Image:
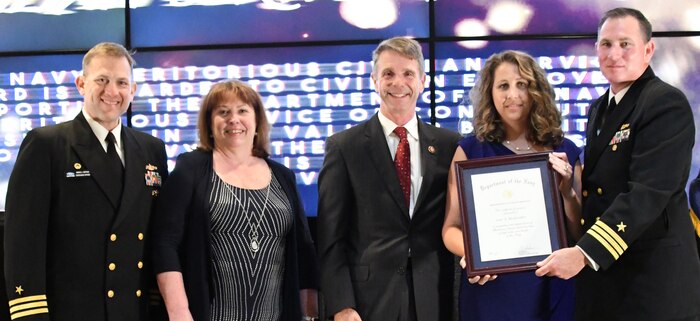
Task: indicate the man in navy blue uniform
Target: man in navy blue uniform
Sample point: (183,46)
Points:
(638,258)
(78,205)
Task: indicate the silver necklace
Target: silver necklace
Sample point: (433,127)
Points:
(254,244)
(518,148)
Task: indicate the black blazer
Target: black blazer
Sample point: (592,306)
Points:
(364,229)
(694,196)
(62,232)
(635,209)
(182,230)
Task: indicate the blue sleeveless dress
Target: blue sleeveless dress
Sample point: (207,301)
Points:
(518,296)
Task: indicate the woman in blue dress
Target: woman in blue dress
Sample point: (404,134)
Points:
(515,113)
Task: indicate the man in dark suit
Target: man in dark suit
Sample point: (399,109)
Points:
(639,245)
(78,206)
(382,203)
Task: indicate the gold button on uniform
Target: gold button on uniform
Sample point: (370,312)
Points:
(138,293)
(110,294)
(583,222)
(140,265)
(614,148)
(600,191)
(140,236)
(112,266)
(585,193)
(113,237)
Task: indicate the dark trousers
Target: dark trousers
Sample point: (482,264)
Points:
(411,308)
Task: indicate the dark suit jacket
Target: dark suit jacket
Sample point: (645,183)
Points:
(364,229)
(182,229)
(62,232)
(694,196)
(635,209)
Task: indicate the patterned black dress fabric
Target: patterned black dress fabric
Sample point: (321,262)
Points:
(248,232)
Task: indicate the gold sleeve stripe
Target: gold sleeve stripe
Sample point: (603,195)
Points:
(613,234)
(28,313)
(607,237)
(696,221)
(604,242)
(28,306)
(27,299)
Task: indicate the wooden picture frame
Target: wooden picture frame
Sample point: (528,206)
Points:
(511,210)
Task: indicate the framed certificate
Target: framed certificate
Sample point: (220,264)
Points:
(511,212)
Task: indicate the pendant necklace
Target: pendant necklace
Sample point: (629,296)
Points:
(254,245)
(518,148)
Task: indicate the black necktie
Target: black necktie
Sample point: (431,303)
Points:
(604,112)
(116,170)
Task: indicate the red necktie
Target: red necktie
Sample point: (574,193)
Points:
(402,163)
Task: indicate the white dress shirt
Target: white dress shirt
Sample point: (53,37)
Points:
(101,134)
(414,145)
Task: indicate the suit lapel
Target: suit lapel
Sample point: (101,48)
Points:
(611,126)
(614,120)
(378,151)
(591,131)
(428,161)
(92,154)
(134,171)
(596,144)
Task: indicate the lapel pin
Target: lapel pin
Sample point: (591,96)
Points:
(150,167)
(431,149)
(77,166)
